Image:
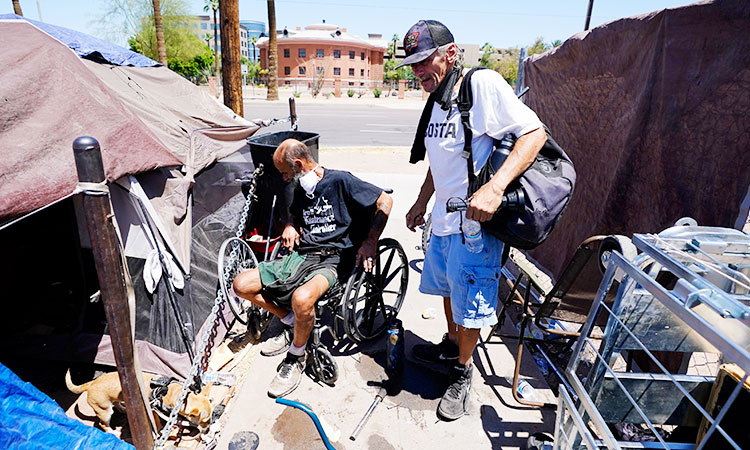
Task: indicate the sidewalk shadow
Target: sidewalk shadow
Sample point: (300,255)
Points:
(417,265)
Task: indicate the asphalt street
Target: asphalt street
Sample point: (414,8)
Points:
(340,125)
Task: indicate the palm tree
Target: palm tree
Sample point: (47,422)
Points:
(273,88)
(17,7)
(253,40)
(214,5)
(392,48)
(160,45)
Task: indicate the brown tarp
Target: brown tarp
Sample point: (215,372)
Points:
(653,110)
(143,117)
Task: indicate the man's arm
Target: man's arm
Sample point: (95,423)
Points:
(369,246)
(415,216)
(488,198)
(290,235)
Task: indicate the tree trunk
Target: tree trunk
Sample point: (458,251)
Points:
(273,88)
(17,7)
(231,69)
(160,45)
(216,46)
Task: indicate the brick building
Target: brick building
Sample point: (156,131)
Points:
(325,53)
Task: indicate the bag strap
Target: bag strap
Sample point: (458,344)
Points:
(464,102)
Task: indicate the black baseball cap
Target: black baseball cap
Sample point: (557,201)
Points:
(422,39)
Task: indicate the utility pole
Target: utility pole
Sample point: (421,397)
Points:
(588,15)
(231,69)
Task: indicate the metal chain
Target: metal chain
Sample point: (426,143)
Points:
(200,364)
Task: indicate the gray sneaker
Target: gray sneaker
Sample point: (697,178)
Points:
(454,403)
(288,375)
(279,343)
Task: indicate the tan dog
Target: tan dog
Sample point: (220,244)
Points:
(105,393)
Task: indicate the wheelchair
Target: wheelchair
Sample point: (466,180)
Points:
(361,306)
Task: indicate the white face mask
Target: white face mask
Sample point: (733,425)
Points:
(308,182)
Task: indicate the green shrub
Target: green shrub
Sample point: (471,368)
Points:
(350,92)
(296,94)
(376,92)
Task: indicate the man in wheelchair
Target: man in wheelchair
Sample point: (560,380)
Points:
(323,207)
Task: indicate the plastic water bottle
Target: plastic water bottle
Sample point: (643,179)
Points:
(525,390)
(394,364)
(473,235)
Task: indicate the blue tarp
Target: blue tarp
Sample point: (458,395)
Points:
(85,45)
(29,420)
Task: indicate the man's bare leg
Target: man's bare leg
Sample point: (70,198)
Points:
(452,328)
(248,286)
(467,341)
(303,305)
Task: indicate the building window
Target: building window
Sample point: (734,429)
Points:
(351,83)
(204,26)
(319,53)
(351,72)
(287,82)
(361,72)
(286,53)
(302,70)
(351,54)
(337,70)
(301,52)
(337,54)
(287,70)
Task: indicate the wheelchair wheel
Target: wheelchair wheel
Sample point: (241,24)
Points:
(371,300)
(235,256)
(324,366)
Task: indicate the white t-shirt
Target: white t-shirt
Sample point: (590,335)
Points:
(496,111)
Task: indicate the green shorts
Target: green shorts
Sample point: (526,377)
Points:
(281,277)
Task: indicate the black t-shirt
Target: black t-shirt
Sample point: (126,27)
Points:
(325,219)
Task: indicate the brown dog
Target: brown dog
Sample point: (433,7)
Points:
(104,394)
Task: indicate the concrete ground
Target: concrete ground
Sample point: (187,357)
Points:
(408,419)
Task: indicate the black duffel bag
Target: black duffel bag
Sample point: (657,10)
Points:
(533,202)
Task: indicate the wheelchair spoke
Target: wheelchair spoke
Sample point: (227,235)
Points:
(387,267)
(368,306)
(393,275)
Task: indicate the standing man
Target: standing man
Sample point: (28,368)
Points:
(468,282)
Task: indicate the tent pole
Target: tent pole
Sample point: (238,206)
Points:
(98,213)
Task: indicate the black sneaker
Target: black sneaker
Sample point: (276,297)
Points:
(455,401)
(444,352)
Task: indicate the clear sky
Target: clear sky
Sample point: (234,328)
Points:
(502,23)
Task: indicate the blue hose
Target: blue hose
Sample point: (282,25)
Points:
(312,415)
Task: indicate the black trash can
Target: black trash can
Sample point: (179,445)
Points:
(272,183)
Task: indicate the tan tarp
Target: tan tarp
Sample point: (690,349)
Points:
(653,110)
(143,117)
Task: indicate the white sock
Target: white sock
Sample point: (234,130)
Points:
(297,351)
(288,320)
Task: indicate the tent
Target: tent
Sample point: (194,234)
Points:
(652,109)
(171,155)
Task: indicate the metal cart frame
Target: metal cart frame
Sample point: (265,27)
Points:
(705,308)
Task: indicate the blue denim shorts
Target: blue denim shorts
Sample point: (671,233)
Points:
(469,279)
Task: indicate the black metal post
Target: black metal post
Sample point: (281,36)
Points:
(98,213)
(588,15)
